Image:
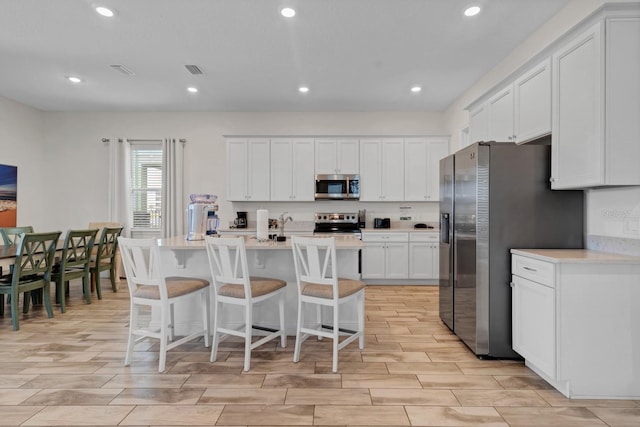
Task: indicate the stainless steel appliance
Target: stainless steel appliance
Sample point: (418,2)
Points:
(241,220)
(201,220)
(331,223)
(495,197)
(337,187)
(381,223)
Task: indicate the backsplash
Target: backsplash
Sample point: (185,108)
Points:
(618,245)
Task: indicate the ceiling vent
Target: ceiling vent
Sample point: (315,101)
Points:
(194,69)
(121,68)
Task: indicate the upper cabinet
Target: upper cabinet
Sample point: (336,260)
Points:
(248,169)
(292,163)
(382,169)
(422,167)
(596,106)
(532,103)
(519,112)
(337,156)
(500,115)
(478,124)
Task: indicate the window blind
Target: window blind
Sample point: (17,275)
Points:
(146,188)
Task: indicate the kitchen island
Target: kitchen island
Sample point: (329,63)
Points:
(267,259)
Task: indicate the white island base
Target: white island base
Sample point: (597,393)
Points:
(267,259)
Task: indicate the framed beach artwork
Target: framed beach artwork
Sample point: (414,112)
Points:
(8,195)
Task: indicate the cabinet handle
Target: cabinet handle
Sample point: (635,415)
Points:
(510,138)
(530,269)
(552,179)
(512,284)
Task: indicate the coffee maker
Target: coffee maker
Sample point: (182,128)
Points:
(201,216)
(241,220)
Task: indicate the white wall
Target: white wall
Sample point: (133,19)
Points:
(21,130)
(79,159)
(604,206)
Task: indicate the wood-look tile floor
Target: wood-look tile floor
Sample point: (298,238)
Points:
(69,371)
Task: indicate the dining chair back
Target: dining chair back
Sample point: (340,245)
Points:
(74,264)
(11,235)
(32,271)
(149,287)
(318,283)
(233,285)
(104,258)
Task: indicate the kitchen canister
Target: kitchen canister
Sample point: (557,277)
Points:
(262,224)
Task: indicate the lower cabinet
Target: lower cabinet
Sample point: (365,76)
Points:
(575,320)
(385,255)
(423,256)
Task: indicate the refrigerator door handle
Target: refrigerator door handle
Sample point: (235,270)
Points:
(444,228)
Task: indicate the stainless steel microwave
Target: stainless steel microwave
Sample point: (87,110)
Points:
(337,187)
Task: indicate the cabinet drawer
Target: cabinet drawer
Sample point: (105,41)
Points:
(385,237)
(539,271)
(424,237)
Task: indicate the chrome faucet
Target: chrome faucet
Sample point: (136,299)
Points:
(282,220)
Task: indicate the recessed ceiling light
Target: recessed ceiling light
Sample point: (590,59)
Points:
(287,12)
(472,11)
(192,89)
(74,79)
(104,11)
(303,89)
(416,89)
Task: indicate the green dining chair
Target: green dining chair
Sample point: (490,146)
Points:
(105,258)
(74,264)
(11,235)
(31,271)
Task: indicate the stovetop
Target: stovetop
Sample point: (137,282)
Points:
(336,223)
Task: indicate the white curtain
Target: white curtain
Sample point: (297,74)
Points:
(172,187)
(119,179)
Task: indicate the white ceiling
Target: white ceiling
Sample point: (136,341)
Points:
(355,55)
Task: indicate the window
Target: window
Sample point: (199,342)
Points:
(146,189)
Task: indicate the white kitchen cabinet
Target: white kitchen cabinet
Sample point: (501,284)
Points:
(382,169)
(521,111)
(423,255)
(500,116)
(574,320)
(385,255)
(478,123)
(422,168)
(532,103)
(292,166)
(596,105)
(248,168)
(337,156)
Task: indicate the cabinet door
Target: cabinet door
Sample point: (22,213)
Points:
(534,325)
(532,97)
(303,184)
(370,173)
(422,260)
(392,165)
(236,169)
(397,260)
(326,156)
(348,156)
(437,150)
(577,158)
(258,167)
(373,261)
(281,170)
(500,116)
(478,124)
(417,169)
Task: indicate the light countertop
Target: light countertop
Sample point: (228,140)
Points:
(251,243)
(576,256)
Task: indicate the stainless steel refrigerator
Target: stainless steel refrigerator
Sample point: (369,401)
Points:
(495,197)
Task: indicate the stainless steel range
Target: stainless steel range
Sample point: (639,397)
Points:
(332,223)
